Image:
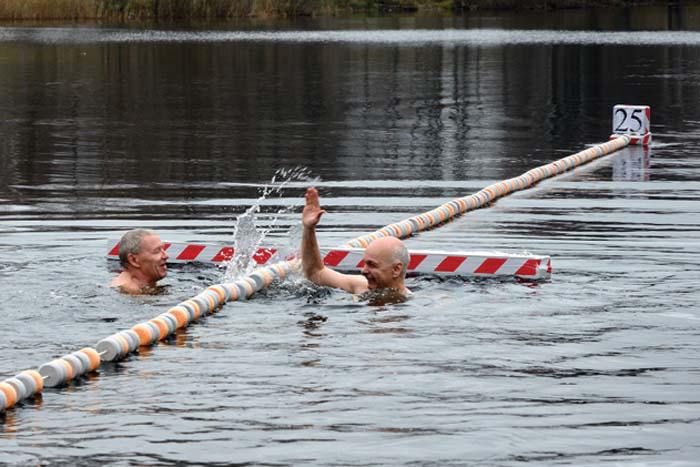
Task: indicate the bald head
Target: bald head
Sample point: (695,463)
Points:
(392,250)
(397,251)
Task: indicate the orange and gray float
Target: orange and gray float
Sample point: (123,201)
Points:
(20,387)
(68,367)
(487,195)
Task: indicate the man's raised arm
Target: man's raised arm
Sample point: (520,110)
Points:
(312,264)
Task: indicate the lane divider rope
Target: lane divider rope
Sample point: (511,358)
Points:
(487,195)
(119,345)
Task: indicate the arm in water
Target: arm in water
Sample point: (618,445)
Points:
(312,264)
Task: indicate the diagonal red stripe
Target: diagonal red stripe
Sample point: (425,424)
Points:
(190,252)
(225,254)
(263,254)
(334,257)
(450,264)
(114,251)
(529,268)
(490,266)
(415,261)
(166,246)
(361,264)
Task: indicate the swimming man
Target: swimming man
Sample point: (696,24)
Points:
(385,260)
(143,257)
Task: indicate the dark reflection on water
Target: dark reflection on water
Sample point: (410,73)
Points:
(597,365)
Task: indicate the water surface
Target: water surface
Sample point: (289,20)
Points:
(106,128)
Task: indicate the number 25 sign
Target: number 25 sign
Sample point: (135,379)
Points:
(633,121)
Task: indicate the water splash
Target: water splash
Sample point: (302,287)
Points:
(248,235)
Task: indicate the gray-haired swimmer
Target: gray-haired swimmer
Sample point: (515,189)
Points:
(143,257)
(385,260)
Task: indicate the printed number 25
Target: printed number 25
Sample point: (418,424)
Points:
(626,120)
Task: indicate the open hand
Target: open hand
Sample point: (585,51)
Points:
(312,211)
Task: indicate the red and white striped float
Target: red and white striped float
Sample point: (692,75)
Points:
(482,264)
(199,252)
(442,263)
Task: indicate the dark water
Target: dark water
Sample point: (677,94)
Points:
(103,129)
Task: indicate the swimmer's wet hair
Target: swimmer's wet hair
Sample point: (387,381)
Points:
(131,243)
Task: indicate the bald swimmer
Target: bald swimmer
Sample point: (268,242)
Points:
(385,260)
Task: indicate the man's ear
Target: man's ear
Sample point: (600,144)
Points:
(133,260)
(396,269)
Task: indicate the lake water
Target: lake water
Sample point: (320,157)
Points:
(175,128)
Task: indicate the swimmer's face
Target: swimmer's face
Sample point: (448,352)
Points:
(151,259)
(380,270)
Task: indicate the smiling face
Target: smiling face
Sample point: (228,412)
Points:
(382,269)
(150,262)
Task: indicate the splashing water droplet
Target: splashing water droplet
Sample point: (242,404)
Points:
(248,237)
